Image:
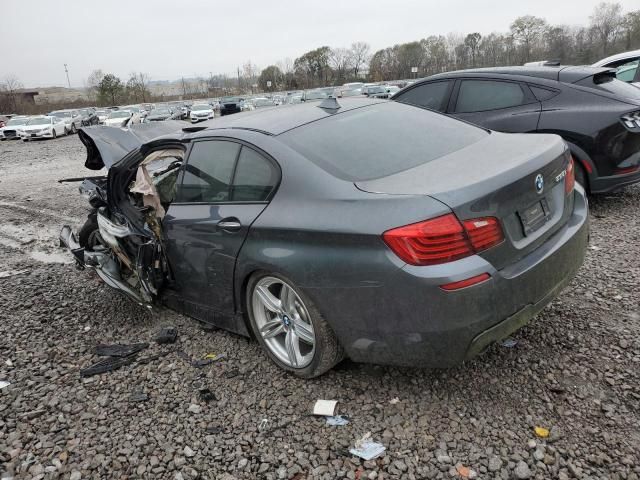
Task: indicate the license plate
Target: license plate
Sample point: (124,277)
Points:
(534,216)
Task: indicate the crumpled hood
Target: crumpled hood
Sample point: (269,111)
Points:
(107,145)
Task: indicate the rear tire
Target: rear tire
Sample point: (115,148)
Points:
(89,235)
(54,133)
(326,351)
(73,128)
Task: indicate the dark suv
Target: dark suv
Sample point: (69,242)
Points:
(597,115)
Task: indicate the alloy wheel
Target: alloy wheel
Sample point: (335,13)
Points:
(283,321)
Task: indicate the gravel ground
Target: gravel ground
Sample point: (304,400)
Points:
(575,370)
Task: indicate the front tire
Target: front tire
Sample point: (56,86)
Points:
(53,133)
(289,327)
(73,128)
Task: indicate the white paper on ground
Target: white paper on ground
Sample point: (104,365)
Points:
(368,450)
(326,408)
(4,384)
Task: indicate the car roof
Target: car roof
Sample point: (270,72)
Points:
(620,56)
(277,120)
(567,74)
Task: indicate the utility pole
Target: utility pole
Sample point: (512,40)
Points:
(66,70)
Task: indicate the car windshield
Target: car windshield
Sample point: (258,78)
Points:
(161,111)
(349,145)
(200,107)
(60,114)
(230,99)
(315,94)
(101,112)
(39,121)
(377,90)
(120,114)
(16,121)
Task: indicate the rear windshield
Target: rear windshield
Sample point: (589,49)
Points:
(380,140)
(610,84)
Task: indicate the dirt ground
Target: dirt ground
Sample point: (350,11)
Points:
(575,370)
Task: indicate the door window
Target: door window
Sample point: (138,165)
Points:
(255,177)
(433,95)
(481,95)
(208,172)
(627,72)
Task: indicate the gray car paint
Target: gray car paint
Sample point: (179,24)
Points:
(324,234)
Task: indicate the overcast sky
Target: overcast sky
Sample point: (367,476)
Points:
(170,38)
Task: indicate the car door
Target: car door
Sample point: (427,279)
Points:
(505,106)
(222,189)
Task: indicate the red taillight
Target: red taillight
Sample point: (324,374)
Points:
(570,177)
(443,239)
(624,171)
(483,232)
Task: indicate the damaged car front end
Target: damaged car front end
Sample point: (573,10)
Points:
(122,237)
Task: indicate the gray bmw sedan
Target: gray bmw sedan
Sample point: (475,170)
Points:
(375,230)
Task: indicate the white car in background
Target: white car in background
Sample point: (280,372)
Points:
(102,115)
(201,112)
(10,130)
(118,118)
(72,119)
(627,65)
(43,126)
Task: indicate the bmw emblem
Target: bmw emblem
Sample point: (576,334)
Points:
(539,183)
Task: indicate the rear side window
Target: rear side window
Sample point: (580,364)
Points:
(255,177)
(432,95)
(379,140)
(627,71)
(482,95)
(208,172)
(543,94)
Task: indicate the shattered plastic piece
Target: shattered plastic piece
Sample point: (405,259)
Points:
(167,335)
(541,432)
(264,423)
(509,342)
(368,450)
(138,397)
(338,420)
(4,384)
(119,350)
(107,365)
(8,362)
(395,400)
(231,373)
(465,472)
(215,356)
(326,408)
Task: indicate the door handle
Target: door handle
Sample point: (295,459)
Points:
(230,225)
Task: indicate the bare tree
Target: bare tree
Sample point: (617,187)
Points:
(340,61)
(528,30)
(93,83)
(607,22)
(11,85)
(360,53)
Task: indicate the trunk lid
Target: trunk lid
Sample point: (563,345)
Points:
(498,176)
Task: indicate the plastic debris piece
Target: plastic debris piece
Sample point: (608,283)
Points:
(201,363)
(466,472)
(264,423)
(206,394)
(138,397)
(4,384)
(367,449)
(541,432)
(365,438)
(395,400)
(108,364)
(214,429)
(119,350)
(8,362)
(232,373)
(509,342)
(215,356)
(167,335)
(326,408)
(338,420)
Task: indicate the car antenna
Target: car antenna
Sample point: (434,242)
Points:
(330,103)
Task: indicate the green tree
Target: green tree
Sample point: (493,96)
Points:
(472,42)
(110,90)
(271,74)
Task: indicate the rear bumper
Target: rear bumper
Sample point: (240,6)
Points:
(614,182)
(410,321)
